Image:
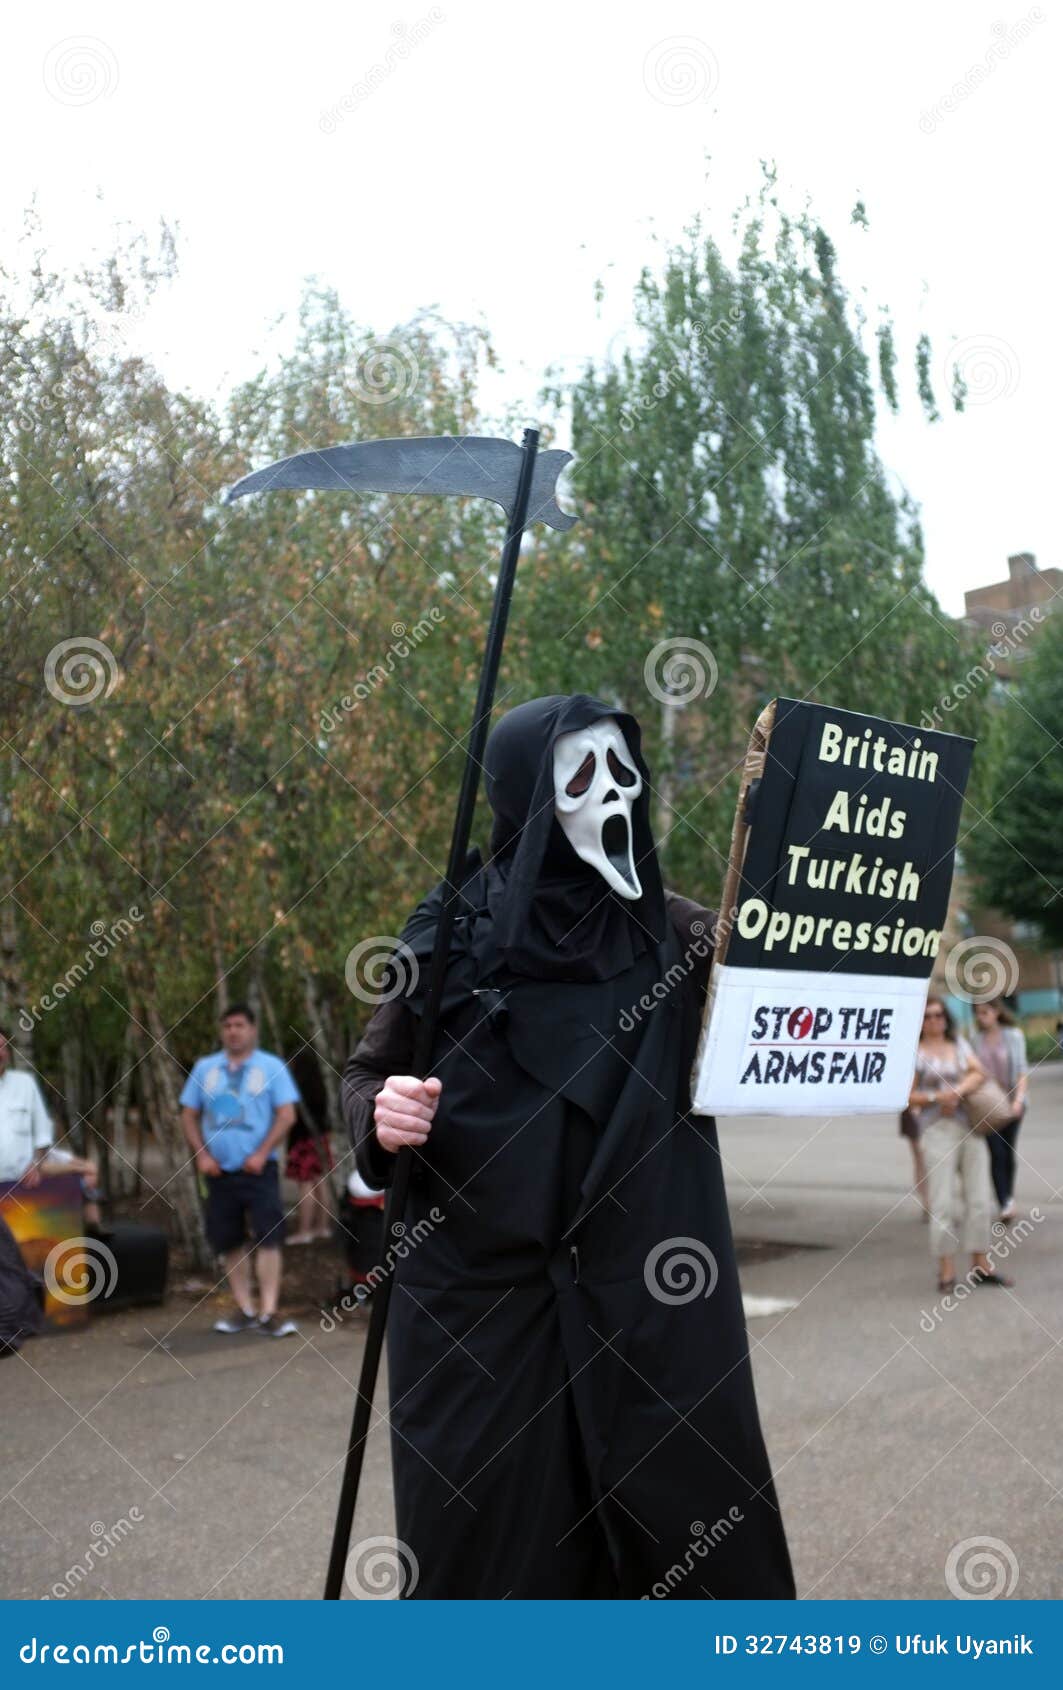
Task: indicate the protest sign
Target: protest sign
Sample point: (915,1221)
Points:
(833,910)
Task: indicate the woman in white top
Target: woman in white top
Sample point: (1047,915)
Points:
(1000,1047)
(958,1193)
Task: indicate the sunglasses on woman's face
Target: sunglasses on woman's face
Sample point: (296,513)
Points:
(934,1015)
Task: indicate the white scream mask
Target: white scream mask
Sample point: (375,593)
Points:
(595,787)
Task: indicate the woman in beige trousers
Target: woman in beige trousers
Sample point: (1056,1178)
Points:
(958,1193)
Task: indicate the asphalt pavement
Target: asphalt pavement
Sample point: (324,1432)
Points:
(148,1457)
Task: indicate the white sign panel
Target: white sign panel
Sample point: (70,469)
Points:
(799,1042)
(834,911)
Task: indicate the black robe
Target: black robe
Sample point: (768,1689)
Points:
(572,1405)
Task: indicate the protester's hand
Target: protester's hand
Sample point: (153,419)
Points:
(206,1164)
(255,1163)
(950,1100)
(404,1111)
(31,1177)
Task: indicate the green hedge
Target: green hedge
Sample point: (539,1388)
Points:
(1042,1047)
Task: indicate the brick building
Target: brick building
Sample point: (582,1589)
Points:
(1010,601)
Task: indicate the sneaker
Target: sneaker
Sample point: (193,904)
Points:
(272,1326)
(238,1322)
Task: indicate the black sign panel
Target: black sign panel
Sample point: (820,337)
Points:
(850,852)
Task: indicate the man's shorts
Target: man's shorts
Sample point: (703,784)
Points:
(240,1201)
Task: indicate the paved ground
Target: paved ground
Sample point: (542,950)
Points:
(898,1430)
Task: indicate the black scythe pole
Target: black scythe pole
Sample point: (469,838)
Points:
(483,467)
(459,846)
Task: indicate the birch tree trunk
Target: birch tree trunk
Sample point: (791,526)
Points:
(277,1039)
(182,1190)
(12,986)
(77,1133)
(319,1040)
(121,1173)
(666,779)
(221,979)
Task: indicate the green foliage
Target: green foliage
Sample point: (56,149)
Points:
(732,498)
(193,781)
(266,772)
(1042,1047)
(887,365)
(1016,847)
(924,383)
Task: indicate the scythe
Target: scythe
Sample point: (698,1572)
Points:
(522,480)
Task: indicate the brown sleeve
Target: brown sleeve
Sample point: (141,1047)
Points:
(684,912)
(696,928)
(386,1048)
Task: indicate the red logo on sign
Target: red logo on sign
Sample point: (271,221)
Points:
(799,1023)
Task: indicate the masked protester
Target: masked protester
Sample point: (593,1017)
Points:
(572,1405)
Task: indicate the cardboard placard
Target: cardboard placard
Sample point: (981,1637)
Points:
(835,899)
(47,1225)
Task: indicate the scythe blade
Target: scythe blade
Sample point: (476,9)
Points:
(478,465)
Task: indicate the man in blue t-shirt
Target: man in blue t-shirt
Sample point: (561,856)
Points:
(236,1107)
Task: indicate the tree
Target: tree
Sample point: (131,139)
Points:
(231,738)
(1015,849)
(740,536)
(182,767)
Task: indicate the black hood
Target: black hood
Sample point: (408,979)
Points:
(554,915)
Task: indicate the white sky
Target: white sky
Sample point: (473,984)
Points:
(520,152)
